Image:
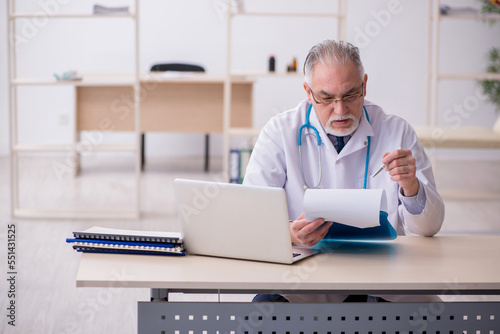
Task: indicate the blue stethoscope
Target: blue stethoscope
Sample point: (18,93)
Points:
(308,125)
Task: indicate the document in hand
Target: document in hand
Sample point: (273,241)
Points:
(356,213)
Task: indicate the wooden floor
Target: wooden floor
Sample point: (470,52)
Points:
(47,300)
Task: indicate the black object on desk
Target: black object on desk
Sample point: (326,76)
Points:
(177,67)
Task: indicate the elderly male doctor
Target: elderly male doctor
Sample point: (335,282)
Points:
(348,125)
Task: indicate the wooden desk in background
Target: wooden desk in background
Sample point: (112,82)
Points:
(189,103)
(185,103)
(408,265)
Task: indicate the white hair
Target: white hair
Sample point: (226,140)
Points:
(332,52)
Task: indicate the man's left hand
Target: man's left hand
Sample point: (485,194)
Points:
(402,169)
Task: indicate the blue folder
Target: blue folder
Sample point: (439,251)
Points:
(341,232)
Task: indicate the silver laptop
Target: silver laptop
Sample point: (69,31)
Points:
(236,221)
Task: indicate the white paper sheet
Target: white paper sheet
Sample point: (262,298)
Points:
(354,207)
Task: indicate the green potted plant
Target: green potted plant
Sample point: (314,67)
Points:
(490,7)
(491,88)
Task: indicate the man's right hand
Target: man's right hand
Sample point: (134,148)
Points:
(308,233)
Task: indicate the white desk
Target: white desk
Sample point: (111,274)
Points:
(462,138)
(457,137)
(407,265)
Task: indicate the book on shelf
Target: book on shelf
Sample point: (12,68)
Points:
(234,166)
(238,161)
(107,240)
(243,163)
(458,10)
(106,10)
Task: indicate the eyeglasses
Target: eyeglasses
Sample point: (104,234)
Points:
(326,101)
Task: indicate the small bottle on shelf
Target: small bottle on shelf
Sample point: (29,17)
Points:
(293,66)
(272,64)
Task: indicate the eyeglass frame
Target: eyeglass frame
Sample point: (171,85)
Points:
(341,99)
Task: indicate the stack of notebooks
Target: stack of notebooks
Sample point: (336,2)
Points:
(107,240)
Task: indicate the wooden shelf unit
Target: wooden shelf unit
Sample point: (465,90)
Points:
(434,136)
(76,147)
(229,132)
(434,75)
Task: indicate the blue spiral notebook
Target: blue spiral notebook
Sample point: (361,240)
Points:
(119,241)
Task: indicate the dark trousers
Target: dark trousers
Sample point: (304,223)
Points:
(275,298)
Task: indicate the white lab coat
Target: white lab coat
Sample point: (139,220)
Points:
(275,162)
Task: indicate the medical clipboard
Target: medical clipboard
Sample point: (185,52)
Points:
(341,232)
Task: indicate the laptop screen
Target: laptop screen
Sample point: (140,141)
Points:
(234,220)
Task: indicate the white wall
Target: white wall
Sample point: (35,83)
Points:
(392,36)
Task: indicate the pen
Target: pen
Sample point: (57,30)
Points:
(383,166)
